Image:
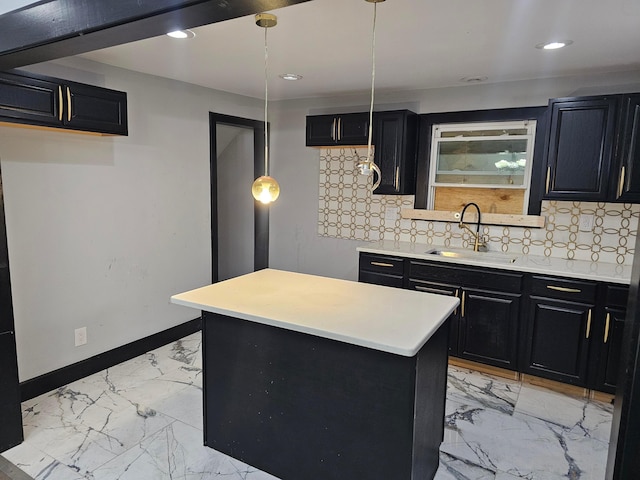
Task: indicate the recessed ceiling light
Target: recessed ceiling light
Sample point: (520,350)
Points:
(554,45)
(181,34)
(290,76)
(477,79)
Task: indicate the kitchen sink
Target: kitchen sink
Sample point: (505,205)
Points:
(471,255)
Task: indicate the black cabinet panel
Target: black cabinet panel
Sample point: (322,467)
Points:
(10,414)
(580,148)
(6,308)
(564,288)
(381,279)
(329,130)
(558,340)
(96,109)
(454,319)
(32,99)
(627,187)
(489,327)
(468,276)
(29,99)
(395,139)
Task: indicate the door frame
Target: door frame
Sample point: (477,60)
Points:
(261,212)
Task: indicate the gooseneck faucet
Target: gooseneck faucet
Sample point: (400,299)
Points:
(478,244)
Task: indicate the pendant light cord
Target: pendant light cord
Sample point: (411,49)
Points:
(373,80)
(266,105)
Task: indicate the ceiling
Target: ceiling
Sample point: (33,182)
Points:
(419,44)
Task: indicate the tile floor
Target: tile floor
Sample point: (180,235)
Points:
(142,420)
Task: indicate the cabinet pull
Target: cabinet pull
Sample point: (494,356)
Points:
(621,182)
(397,178)
(455,312)
(588,324)
(382,264)
(432,290)
(339,129)
(462,304)
(606,328)
(333,130)
(547,181)
(60,103)
(564,289)
(68,104)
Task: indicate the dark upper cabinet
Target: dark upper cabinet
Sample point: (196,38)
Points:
(579,148)
(395,139)
(328,130)
(627,180)
(32,99)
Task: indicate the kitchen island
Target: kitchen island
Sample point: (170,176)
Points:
(308,377)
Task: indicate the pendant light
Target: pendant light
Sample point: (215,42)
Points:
(368,166)
(265,189)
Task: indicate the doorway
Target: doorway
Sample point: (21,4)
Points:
(239,224)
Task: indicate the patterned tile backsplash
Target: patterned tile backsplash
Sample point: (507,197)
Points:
(347,209)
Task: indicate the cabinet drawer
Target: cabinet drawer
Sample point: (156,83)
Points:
(381,264)
(616,296)
(467,276)
(572,290)
(431,287)
(381,279)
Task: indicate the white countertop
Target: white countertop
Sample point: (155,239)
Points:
(392,320)
(580,269)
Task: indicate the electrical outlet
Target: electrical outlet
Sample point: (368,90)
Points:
(81,336)
(586,223)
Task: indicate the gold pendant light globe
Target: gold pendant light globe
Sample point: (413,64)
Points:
(265,189)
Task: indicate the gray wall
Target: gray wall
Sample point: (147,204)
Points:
(103,230)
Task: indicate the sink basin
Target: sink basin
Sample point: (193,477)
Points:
(471,255)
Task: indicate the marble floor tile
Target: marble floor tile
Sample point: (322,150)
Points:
(142,420)
(488,391)
(591,417)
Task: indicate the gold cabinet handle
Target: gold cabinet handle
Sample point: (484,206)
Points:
(588,324)
(68,104)
(621,182)
(462,305)
(339,130)
(333,130)
(455,312)
(432,290)
(564,289)
(382,264)
(397,178)
(60,103)
(547,181)
(606,328)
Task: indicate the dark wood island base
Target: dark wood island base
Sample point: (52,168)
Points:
(303,407)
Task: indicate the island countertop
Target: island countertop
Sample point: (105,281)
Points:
(387,319)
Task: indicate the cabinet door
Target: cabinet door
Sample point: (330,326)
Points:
(557,342)
(10,413)
(321,130)
(489,327)
(610,350)
(454,319)
(395,153)
(627,186)
(29,100)
(95,109)
(580,148)
(353,129)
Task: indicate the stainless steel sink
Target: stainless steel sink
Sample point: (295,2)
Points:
(471,255)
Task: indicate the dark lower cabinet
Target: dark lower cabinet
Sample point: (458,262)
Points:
(10,414)
(489,327)
(31,99)
(454,319)
(557,340)
(381,270)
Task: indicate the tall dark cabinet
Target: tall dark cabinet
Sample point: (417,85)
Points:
(10,414)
